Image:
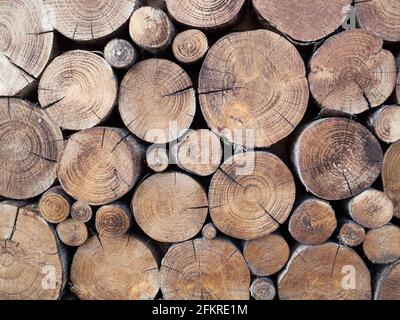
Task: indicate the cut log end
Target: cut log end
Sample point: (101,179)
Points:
(386,123)
(81,211)
(337,158)
(151,29)
(82,99)
(55,205)
(157,158)
(262,289)
(115,268)
(199,152)
(72,232)
(367,74)
(209,16)
(236,91)
(325,272)
(381,17)
(382,245)
(170,206)
(113,220)
(391,176)
(30,144)
(387,286)
(29,247)
(100,165)
(351,234)
(312,222)
(89,20)
(209,231)
(251,194)
(26,44)
(120,54)
(221,275)
(267,255)
(190,46)
(371,208)
(323,17)
(166,113)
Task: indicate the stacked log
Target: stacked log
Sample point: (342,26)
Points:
(380,17)
(89,21)
(204,269)
(116,268)
(26,45)
(55,205)
(312,222)
(151,29)
(319,272)
(120,54)
(43,265)
(368,74)
(85,97)
(336,158)
(391,175)
(171,149)
(303,21)
(170,206)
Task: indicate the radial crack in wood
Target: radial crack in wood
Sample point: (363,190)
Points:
(30,144)
(251,195)
(336,158)
(203,269)
(100,165)
(351,72)
(251,94)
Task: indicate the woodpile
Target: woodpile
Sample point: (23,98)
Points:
(200,150)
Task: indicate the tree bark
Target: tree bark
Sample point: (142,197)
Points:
(251,194)
(303,21)
(78,90)
(27,42)
(55,205)
(381,17)
(312,222)
(267,255)
(72,232)
(386,123)
(203,269)
(29,247)
(199,152)
(115,268)
(350,233)
(81,211)
(391,176)
(170,206)
(325,272)
(208,16)
(100,165)
(262,289)
(30,144)
(190,46)
(120,54)
(353,62)
(113,220)
(371,208)
(166,113)
(382,245)
(236,91)
(151,29)
(336,158)
(88,20)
